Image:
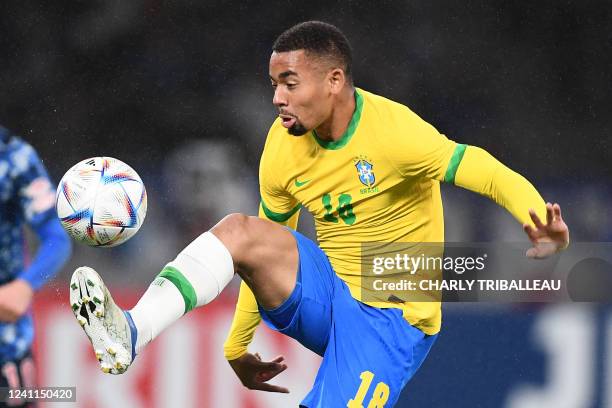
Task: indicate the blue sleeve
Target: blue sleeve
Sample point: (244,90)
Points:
(37,204)
(53,252)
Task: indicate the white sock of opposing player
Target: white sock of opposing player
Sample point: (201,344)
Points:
(197,275)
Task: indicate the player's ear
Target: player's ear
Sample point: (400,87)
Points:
(337,79)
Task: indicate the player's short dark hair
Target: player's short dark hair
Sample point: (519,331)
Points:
(319,38)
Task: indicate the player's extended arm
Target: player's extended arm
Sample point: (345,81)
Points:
(246,320)
(35,195)
(53,252)
(480,172)
(252,371)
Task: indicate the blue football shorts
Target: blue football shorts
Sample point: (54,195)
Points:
(369,354)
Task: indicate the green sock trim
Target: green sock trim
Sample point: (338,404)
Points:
(182,284)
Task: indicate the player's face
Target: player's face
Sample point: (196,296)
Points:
(301,91)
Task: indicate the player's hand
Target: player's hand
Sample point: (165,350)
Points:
(15,298)
(548,238)
(254,373)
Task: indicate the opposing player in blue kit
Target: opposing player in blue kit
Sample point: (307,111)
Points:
(27,198)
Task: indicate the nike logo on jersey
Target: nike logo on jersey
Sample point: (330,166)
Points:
(300,183)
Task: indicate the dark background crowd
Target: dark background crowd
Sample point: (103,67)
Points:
(527,81)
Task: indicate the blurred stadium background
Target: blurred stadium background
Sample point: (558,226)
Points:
(179,90)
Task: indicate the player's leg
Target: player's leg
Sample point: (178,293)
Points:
(306,315)
(263,253)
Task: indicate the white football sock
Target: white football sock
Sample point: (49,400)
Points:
(158,307)
(197,276)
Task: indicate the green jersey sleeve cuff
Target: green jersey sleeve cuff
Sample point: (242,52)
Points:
(453,165)
(276,216)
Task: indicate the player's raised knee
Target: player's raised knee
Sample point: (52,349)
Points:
(237,232)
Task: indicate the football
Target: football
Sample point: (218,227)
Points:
(101,202)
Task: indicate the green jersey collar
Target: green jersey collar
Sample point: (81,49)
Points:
(352,127)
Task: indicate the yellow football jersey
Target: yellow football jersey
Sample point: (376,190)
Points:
(378,183)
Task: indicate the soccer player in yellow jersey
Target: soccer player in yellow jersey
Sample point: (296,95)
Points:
(369,170)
